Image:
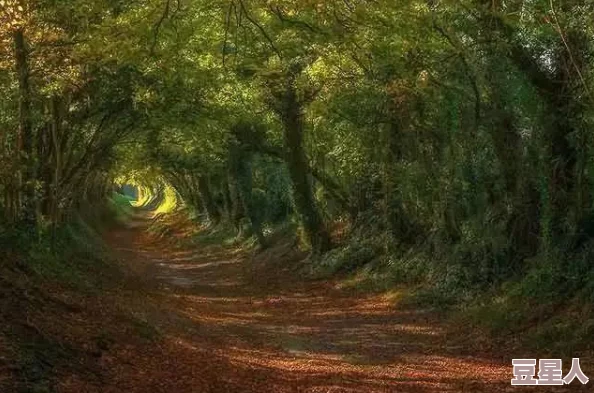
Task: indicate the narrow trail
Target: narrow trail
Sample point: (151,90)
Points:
(229,322)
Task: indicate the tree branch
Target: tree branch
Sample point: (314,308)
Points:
(264,33)
(159,24)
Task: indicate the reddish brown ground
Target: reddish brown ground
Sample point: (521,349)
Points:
(227,321)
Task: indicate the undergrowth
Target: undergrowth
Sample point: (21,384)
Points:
(545,306)
(41,270)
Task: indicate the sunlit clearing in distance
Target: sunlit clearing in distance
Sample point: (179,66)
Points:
(145,197)
(157,196)
(169,202)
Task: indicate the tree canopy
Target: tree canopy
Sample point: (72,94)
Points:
(460,124)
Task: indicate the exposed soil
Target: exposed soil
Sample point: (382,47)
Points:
(215,318)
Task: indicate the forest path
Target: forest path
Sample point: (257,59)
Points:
(228,322)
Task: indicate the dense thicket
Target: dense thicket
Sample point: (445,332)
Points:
(459,128)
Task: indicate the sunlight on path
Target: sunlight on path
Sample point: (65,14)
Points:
(236,325)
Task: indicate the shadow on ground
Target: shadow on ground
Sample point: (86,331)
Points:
(232,322)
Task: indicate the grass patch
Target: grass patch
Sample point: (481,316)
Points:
(353,256)
(120,207)
(221,234)
(76,258)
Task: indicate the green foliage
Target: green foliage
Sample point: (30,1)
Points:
(120,206)
(271,184)
(68,255)
(225,234)
(353,256)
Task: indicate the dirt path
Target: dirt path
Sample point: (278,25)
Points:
(226,322)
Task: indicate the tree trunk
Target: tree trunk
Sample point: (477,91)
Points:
(214,216)
(305,203)
(561,107)
(25,148)
(237,208)
(240,172)
(57,162)
(194,193)
(227,198)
